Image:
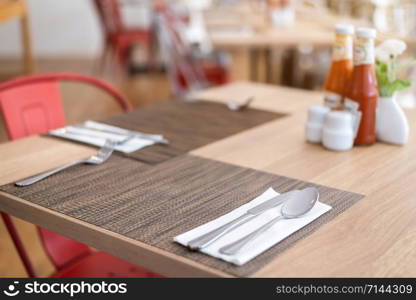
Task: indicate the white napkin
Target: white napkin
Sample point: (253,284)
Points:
(274,235)
(98,138)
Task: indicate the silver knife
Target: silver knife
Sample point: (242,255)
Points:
(126,132)
(209,237)
(123,138)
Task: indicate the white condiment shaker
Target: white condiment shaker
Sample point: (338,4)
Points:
(315,123)
(338,133)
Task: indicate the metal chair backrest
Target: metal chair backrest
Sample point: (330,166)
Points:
(110,15)
(32,105)
(185,72)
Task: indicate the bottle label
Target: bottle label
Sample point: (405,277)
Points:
(343,47)
(332,100)
(363,51)
(353,107)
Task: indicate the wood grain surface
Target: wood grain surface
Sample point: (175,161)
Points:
(188,125)
(375,237)
(153,204)
(26,157)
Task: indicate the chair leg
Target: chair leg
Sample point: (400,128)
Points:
(151,48)
(118,60)
(100,63)
(18,245)
(27,45)
(121,55)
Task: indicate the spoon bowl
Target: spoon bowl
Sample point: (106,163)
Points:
(300,203)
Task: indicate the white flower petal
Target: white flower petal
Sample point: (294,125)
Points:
(382,55)
(393,47)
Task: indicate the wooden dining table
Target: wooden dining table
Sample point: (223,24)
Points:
(376,237)
(253,48)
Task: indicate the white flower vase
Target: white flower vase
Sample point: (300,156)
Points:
(392,126)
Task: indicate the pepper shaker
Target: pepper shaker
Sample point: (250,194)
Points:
(315,123)
(338,133)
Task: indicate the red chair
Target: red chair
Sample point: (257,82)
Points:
(32,105)
(118,38)
(188,70)
(39,107)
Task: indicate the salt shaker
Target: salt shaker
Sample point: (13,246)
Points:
(314,125)
(337,133)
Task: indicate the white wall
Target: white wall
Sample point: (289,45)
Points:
(59,28)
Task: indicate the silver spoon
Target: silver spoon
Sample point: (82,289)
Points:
(235,106)
(296,206)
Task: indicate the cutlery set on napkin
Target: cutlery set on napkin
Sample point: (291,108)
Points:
(244,233)
(108,137)
(95,133)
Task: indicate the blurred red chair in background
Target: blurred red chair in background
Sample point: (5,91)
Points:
(188,68)
(32,105)
(118,38)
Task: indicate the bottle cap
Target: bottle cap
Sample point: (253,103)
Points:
(344,29)
(366,32)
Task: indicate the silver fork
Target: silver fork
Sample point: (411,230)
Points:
(100,157)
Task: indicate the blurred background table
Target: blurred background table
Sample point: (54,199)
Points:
(266,53)
(10,9)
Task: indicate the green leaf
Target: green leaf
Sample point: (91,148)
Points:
(381,67)
(381,74)
(385,91)
(389,89)
(387,83)
(399,84)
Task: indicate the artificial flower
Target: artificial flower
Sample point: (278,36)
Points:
(387,69)
(390,48)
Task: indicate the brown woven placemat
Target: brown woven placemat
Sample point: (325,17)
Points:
(187,125)
(154,204)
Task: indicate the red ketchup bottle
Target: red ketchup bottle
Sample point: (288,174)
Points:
(339,75)
(361,97)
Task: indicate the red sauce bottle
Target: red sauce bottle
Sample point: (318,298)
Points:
(362,93)
(339,75)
